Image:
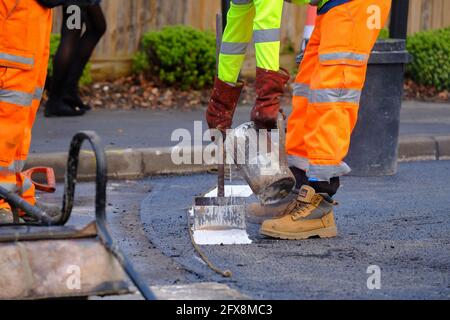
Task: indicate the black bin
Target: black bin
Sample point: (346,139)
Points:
(373,147)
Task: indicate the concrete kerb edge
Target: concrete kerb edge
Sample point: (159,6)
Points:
(123,164)
(139,163)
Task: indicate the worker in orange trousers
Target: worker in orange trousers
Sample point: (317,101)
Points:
(24,52)
(326,97)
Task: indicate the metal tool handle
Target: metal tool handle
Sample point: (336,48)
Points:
(282,140)
(221,165)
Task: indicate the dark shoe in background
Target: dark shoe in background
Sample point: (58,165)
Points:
(74,100)
(59,108)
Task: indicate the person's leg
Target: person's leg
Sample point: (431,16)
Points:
(95,28)
(335,88)
(25,185)
(270,80)
(61,64)
(235,40)
(18,75)
(296,129)
(16,94)
(64,56)
(226,91)
(346,42)
(297,126)
(266,33)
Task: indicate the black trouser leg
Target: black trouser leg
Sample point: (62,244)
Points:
(56,106)
(326,187)
(95,28)
(301,179)
(63,58)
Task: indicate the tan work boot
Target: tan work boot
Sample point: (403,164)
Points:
(307,216)
(258,213)
(6,216)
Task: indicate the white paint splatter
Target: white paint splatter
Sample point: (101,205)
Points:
(218,237)
(225,237)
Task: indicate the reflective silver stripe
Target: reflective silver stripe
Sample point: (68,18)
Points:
(334,95)
(11,187)
(38,93)
(233,47)
(343,55)
(11,168)
(27,185)
(241,1)
(326,172)
(268,35)
(15,166)
(301,90)
(16,59)
(16,97)
(298,162)
(19,165)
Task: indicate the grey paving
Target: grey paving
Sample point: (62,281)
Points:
(144,129)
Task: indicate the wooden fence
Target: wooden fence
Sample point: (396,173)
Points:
(129,19)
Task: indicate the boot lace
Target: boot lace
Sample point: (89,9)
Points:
(298,208)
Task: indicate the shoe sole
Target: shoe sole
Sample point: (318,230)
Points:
(329,232)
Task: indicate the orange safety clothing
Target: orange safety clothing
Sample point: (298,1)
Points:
(328,87)
(24,52)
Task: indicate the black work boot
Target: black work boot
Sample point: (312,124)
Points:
(72,97)
(56,107)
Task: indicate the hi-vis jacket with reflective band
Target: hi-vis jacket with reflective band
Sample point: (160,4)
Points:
(16,43)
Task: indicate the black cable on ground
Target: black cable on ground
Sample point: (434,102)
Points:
(224,273)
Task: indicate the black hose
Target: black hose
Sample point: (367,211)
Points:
(17,202)
(100,202)
(68,200)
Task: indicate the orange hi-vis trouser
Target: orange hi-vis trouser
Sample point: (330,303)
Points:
(25,28)
(328,87)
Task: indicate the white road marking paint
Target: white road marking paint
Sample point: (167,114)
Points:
(218,237)
(225,237)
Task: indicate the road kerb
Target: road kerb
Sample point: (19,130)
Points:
(142,162)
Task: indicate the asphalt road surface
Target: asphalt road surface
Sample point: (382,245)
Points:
(399,224)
